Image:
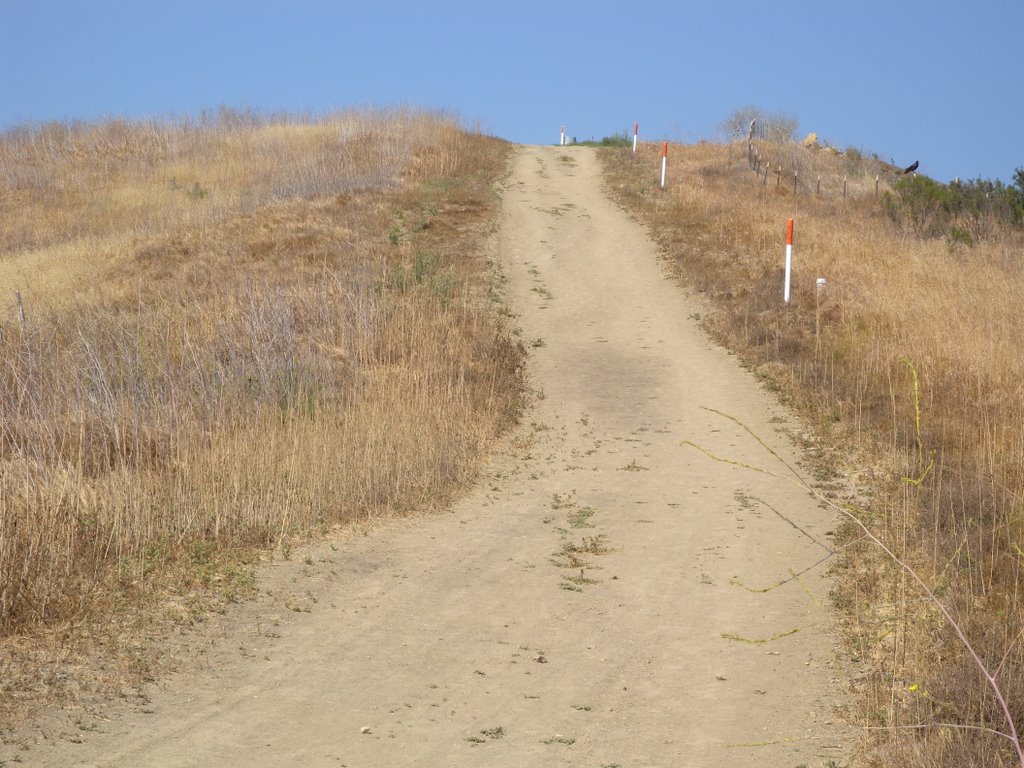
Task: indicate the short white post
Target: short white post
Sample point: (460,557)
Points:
(819,286)
(789,260)
(664,162)
(636,132)
(561,137)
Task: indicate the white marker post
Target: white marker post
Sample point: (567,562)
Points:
(664,162)
(636,131)
(789,260)
(561,139)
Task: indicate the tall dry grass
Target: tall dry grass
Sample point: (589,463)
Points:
(237,330)
(946,466)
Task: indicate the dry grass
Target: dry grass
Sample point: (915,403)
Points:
(895,307)
(237,331)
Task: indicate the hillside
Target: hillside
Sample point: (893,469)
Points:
(579,605)
(901,345)
(217,338)
(234,350)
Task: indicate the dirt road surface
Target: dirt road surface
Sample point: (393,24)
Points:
(601,599)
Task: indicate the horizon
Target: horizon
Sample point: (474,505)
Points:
(936,88)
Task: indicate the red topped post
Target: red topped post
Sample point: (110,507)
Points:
(789,260)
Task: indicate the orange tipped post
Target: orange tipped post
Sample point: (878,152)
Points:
(636,132)
(664,162)
(789,260)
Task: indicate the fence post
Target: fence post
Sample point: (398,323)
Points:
(636,132)
(789,260)
(844,187)
(794,181)
(561,137)
(767,166)
(664,162)
(876,185)
(819,286)
(818,188)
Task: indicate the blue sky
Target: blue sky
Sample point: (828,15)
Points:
(929,81)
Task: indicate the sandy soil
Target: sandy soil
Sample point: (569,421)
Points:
(591,603)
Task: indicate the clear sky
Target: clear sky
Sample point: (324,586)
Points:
(927,80)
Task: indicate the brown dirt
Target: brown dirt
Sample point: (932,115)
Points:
(584,606)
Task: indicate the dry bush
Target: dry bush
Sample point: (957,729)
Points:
(946,470)
(238,330)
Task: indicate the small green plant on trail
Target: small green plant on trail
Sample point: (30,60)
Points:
(559,739)
(581,579)
(634,467)
(563,501)
(580,518)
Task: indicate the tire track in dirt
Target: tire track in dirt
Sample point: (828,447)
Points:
(603,598)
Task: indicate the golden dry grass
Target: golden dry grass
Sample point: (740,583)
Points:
(237,331)
(895,305)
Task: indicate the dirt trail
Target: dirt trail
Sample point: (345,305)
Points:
(585,606)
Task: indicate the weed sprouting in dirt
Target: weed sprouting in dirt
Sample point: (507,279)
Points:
(563,500)
(633,466)
(559,739)
(580,518)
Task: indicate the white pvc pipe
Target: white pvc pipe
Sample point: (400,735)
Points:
(636,130)
(664,162)
(789,268)
(789,260)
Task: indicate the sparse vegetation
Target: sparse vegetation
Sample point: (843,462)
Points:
(938,443)
(238,330)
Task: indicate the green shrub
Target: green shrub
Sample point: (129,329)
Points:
(622,139)
(958,238)
(966,212)
(921,205)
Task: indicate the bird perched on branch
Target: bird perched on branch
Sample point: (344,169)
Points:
(911,168)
